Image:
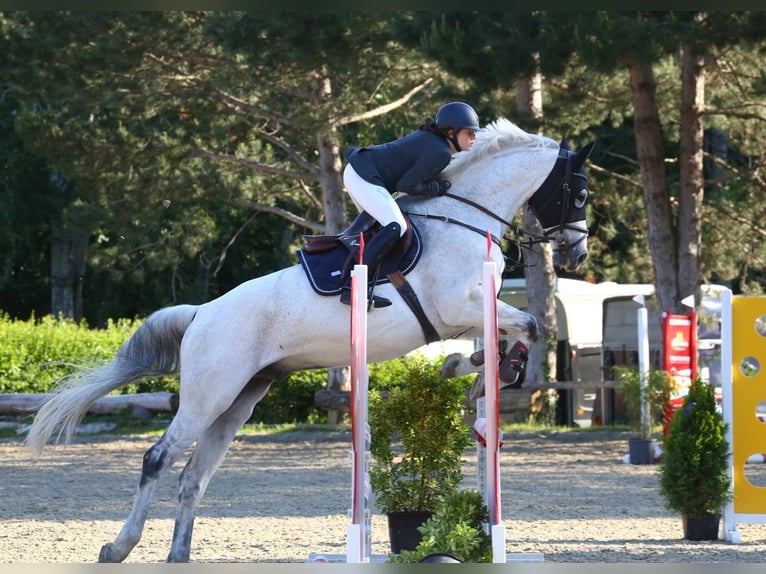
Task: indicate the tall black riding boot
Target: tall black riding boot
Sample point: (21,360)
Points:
(379,246)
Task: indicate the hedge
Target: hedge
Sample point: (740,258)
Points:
(35,353)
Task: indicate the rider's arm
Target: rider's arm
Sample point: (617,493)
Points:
(420,178)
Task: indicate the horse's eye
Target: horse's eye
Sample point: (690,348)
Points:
(581,198)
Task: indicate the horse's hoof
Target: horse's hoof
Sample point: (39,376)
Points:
(176,558)
(449,366)
(107,554)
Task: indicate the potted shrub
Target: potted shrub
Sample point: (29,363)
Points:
(418,439)
(456,529)
(658,389)
(694,477)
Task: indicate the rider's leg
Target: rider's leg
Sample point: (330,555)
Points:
(378,247)
(378,202)
(374,199)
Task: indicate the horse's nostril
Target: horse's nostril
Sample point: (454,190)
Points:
(581,258)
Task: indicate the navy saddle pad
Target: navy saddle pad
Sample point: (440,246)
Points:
(328,271)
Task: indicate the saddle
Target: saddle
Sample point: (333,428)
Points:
(365,225)
(328,260)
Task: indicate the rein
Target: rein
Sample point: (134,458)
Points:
(534,238)
(495,239)
(553,234)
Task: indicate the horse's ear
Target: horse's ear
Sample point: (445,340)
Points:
(565,145)
(582,155)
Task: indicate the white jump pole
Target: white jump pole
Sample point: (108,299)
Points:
(358,547)
(642,318)
(492,401)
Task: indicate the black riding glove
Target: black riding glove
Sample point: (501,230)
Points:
(432,188)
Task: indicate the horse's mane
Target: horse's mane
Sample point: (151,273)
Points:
(500,135)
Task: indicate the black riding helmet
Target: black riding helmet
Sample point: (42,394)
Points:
(457,115)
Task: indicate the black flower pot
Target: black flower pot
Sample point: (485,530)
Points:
(641,450)
(403,530)
(703,527)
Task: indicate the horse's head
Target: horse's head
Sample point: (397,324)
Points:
(559,205)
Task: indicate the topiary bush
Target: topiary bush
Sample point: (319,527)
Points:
(694,478)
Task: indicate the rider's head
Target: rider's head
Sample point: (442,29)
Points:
(459,122)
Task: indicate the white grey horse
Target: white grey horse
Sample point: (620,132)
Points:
(230,350)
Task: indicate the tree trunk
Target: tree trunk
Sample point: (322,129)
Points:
(68,250)
(649,150)
(334,212)
(539,272)
(330,165)
(692,181)
(540,279)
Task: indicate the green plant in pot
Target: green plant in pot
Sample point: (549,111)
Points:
(456,528)
(418,439)
(655,395)
(694,477)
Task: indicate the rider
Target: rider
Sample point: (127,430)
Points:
(409,165)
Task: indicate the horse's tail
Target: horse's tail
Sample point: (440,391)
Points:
(152,351)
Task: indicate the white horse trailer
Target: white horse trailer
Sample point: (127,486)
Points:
(592,318)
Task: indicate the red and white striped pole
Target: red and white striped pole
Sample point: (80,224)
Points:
(492,401)
(359,530)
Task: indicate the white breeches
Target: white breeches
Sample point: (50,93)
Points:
(373,199)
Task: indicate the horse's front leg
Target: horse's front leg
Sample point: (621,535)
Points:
(513,325)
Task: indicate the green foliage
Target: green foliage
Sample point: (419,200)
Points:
(93,96)
(694,477)
(659,387)
(292,400)
(457,527)
(418,438)
(34,354)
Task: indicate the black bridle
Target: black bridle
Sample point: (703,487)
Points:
(556,217)
(542,203)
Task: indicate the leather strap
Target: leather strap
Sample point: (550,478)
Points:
(410,297)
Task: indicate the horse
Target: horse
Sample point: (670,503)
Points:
(231,349)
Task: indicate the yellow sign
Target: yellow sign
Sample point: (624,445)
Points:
(748,390)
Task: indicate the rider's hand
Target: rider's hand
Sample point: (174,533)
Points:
(436,187)
(432,188)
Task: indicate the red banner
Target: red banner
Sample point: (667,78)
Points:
(679,356)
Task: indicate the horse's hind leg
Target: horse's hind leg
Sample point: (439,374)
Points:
(208,454)
(156,464)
